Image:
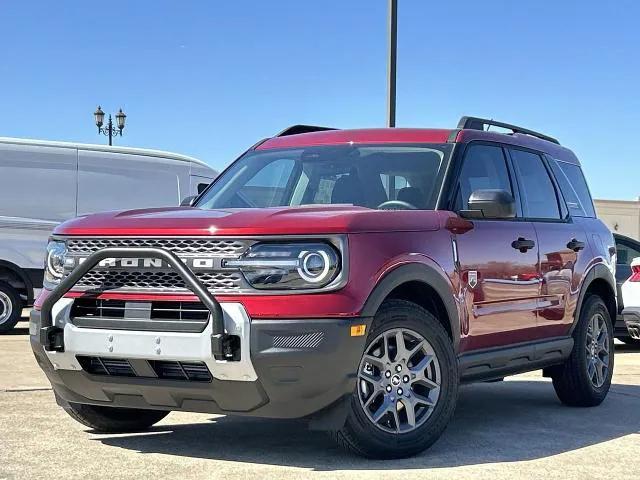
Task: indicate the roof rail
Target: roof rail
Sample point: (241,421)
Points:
(296,129)
(475,123)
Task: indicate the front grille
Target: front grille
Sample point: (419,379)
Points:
(162,316)
(186,246)
(154,278)
(192,371)
(117,367)
(157,281)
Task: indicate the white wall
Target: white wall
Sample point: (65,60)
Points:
(621,216)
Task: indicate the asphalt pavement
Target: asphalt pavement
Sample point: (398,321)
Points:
(511,429)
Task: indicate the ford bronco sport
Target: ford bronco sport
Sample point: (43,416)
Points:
(351,277)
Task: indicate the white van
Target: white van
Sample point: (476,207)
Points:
(43,183)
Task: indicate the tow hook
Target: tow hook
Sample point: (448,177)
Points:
(225,347)
(52,339)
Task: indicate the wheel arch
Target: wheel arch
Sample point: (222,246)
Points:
(423,285)
(598,281)
(10,272)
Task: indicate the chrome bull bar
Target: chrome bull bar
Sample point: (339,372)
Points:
(51,336)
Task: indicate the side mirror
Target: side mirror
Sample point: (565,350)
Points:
(188,201)
(490,203)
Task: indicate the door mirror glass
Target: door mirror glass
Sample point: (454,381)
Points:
(490,203)
(188,201)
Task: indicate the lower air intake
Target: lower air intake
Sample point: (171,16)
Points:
(164,369)
(117,367)
(192,371)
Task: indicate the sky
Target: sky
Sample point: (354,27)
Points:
(210,78)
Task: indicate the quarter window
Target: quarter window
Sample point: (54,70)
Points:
(484,167)
(574,188)
(536,189)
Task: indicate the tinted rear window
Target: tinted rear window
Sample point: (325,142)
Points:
(574,188)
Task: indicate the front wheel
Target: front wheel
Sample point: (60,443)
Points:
(585,378)
(407,385)
(10,307)
(112,419)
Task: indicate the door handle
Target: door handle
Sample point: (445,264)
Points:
(575,245)
(523,244)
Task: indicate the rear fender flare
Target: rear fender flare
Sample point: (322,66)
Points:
(598,271)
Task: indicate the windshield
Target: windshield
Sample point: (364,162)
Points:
(368,176)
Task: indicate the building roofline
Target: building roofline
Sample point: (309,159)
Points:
(609,200)
(103,148)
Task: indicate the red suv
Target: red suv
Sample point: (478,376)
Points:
(351,277)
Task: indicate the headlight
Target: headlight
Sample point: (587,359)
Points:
(54,263)
(288,266)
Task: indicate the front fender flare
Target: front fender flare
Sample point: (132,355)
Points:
(415,272)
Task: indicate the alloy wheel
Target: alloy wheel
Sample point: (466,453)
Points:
(6,307)
(399,380)
(597,350)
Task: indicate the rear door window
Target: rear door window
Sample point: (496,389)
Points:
(539,199)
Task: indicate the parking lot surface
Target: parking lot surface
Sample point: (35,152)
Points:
(511,429)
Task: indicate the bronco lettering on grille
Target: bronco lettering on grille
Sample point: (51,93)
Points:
(147,263)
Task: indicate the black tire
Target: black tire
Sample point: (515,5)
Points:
(359,434)
(112,419)
(9,299)
(630,341)
(571,381)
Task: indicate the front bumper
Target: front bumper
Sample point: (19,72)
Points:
(631,317)
(287,368)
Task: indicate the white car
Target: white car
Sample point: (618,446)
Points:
(631,296)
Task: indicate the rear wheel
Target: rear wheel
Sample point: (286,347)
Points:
(112,419)
(407,385)
(10,307)
(585,378)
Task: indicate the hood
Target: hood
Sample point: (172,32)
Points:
(304,220)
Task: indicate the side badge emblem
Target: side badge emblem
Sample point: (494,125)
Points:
(472,278)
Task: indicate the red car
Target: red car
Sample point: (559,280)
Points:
(351,277)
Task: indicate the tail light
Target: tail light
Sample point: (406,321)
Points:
(635,273)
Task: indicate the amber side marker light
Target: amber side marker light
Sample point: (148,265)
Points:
(358,330)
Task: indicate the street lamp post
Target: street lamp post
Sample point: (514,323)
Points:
(110,130)
(391,71)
